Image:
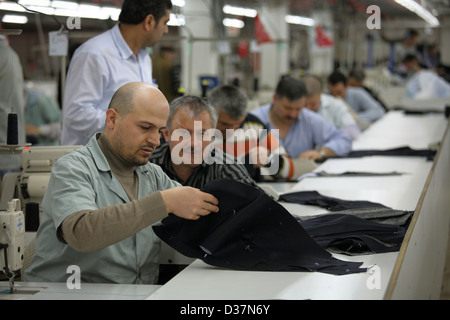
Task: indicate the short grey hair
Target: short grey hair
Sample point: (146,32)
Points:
(229,99)
(313,85)
(196,104)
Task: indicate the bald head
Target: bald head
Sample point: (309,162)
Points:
(126,97)
(136,115)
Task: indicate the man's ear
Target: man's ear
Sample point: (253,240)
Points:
(149,22)
(165,134)
(274,98)
(111,118)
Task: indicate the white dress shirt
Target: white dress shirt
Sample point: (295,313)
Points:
(98,68)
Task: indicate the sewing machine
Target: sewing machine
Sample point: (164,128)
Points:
(30,184)
(20,200)
(12,238)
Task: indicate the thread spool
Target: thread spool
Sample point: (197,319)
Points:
(204,88)
(12,137)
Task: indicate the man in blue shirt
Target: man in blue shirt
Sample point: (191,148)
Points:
(365,106)
(106,62)
(302,132)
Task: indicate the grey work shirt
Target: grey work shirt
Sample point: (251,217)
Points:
(82,180)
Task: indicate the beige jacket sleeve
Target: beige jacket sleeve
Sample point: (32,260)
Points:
(88,231)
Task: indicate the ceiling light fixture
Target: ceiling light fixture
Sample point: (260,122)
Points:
(300,20)
(233,23)
(39,3)
(13,18)
(69,5)
(176,20)
(11,6)
(415,7)
(238,11)
(178,3)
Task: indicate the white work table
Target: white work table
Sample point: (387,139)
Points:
(87,291)
(203,282)
(396,129)
(422,186)
(396,191)
(399,192)
(403,192)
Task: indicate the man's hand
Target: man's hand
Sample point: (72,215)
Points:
(31,130)
(310,154)
(317,155)
(189,203)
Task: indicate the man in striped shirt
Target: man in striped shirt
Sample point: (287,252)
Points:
(188,155)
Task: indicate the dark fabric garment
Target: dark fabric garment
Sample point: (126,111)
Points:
(251,231)
(355,174)
(357,227)
(352,235)
(402,151)
(329,203)
(379,215)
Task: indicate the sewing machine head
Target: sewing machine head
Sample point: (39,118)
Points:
(30,184)
(12,231)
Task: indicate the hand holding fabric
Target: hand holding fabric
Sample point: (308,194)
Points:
(189,203)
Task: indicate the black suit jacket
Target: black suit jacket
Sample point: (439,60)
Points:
(251,231)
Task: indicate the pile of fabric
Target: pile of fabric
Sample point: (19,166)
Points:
(252,231)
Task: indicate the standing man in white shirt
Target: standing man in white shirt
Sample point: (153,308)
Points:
(11,101)
(106,62)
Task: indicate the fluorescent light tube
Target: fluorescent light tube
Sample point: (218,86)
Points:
(45,10)
(69,5)
(176,20)
(178,3)
(106,12)
(10,6)
(13,18)
(88,11)
(39,3)
(238,11)
(300,20)
(415,7)
(233,23)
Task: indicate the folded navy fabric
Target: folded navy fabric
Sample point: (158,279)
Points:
(354,227)
(401,151)
(251,231)
(329,203)
(352,235)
